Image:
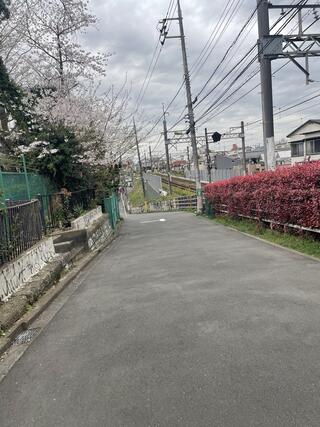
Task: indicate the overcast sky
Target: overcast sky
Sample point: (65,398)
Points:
(128,29)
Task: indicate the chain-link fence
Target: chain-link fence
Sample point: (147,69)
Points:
(24,186)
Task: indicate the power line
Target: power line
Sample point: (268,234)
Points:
(199,63)
(153,64)
(227,52)
(216,34)
(247,66)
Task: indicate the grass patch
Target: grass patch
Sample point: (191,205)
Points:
(136,195)
(177,192)
(304,244)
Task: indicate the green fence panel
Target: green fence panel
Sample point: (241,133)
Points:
(111,206)
(14,185)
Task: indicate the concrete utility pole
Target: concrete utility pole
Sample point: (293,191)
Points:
(243,142)
(284,46)
(150,155)
(208,155)
(266,86)
(188,156)
(190,110)
(166,144)
(192,131)
(139,158)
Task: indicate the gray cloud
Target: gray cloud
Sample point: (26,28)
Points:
(128,29)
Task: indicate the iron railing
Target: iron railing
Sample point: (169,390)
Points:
(183,203)
(58,209)
(20,229)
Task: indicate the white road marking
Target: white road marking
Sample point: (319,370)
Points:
(153,220)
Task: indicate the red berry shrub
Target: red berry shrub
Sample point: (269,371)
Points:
(287,195)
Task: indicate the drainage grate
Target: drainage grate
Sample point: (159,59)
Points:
(26,336)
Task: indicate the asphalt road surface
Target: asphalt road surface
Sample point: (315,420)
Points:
(181,323)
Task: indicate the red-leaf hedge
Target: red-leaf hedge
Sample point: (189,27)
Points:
(288,195)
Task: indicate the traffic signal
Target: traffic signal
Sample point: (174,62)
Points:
(216,136)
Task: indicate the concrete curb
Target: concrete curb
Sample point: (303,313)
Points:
(53,291)
(313,258)
(277,245)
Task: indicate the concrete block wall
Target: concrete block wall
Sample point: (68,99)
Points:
(18,272)
(86,220)
(99,232)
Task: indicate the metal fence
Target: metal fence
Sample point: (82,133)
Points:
(216,174)
(19,186)
(20,228)
(111,206)
(23,223)
(58,209)
(183,203)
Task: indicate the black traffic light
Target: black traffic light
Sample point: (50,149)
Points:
(216,136)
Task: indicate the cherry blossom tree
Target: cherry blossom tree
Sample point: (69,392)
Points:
(99,119)
(40,44)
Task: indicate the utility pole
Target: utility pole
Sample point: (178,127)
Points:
(266,86)
(166,143)
(287,46)
(208,155)
(190,110)
(139,158)
(243,142)
(150,155)
(189,163)
(164,33)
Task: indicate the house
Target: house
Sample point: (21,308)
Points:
(283,154)
(305,142)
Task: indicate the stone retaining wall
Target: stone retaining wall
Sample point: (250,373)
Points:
(86,220)
(16,273)
(99,232)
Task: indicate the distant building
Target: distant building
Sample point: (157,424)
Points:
(178,165)
(305,142)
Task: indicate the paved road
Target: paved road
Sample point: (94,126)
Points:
(181,323)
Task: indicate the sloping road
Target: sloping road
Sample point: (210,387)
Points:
(181,323)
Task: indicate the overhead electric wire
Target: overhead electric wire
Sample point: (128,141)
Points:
(252,61)
(208,44)
(198,64)
(284,109)
(210,39)
(218,36)
(247,66)
(227,52)
(153,63)
(242,96)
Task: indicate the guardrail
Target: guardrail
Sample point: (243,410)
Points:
(20,229)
